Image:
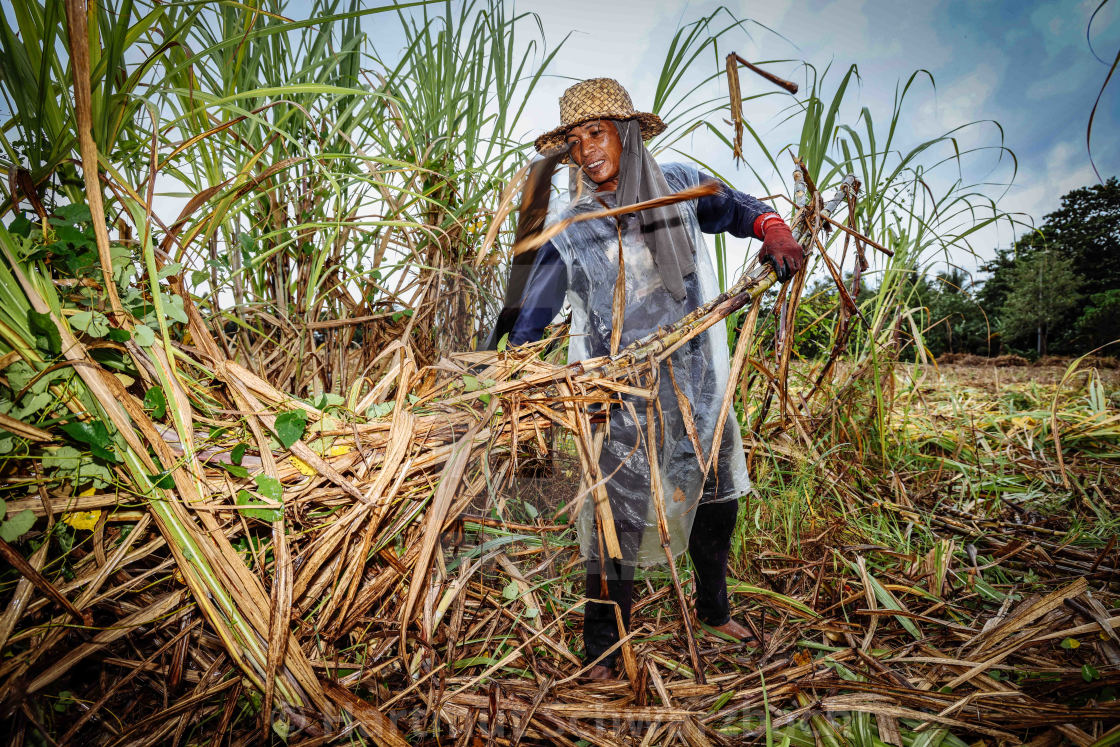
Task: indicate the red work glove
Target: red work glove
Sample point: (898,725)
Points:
(779,248)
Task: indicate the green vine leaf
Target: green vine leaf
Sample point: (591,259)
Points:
(93,323)
(144,335)
(43,326)
(256,510)
(270,488)
(173,307)
(156,401)
(17,526)
(290,426)
(235,469)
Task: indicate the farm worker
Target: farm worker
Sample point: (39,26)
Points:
(668,273)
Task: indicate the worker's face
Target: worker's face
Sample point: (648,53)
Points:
(597,148)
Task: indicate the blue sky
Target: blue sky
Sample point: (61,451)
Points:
(1026,65)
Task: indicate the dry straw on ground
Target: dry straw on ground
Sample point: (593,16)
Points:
(392,595)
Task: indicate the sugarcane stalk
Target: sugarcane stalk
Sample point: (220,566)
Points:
(663,342)
(804,194)
(242,641)
(78,37)
(666,543)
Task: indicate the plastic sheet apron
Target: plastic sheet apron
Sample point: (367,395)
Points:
(699,369)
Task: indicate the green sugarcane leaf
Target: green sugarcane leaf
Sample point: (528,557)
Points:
(721,701)
(734,585)
(17,526)
(888,601)
(290,426)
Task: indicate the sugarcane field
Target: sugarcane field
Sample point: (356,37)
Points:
(471,372)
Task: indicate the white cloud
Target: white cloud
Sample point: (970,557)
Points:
(1065,167)
(960,100)
(1042,88)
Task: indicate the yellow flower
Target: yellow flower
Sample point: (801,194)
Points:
(303,467)
(306,469)
(82,519)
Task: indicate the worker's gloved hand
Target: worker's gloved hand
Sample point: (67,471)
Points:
(780,249)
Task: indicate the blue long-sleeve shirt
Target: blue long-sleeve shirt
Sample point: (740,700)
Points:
(727,211)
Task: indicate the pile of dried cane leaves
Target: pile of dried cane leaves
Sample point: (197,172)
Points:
(306,574)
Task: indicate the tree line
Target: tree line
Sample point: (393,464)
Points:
(1056,290)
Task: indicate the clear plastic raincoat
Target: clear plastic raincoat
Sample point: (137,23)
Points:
(691,382)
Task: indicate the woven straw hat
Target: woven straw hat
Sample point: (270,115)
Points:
(597,98)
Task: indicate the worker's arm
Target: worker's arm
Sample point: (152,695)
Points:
(734,212)
(542,298)
(741,215)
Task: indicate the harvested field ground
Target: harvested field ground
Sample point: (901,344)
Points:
(309,517)
(930,604)
(996,377)
(943,580)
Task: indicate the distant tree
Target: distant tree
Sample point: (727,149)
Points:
(1044,287)
(1086,230)
(959,324)
(948,312)
(1100,317)
(993,292)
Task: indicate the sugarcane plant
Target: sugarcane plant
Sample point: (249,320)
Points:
(243,432)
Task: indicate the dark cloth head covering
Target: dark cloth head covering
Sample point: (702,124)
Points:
(640,179)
